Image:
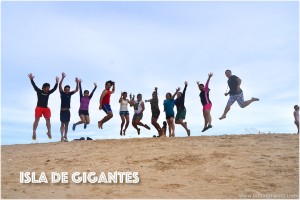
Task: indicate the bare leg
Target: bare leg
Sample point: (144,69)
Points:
(62,130)
(35,125)
(127,123)
(134,124)
(173,126)
(156,125)
(66,130)
(205,120)
(82,120)
(297,124)
(249,101)
(183,124)
(170,127)
(48,124)
(122,124)
(105,119)
(227,108)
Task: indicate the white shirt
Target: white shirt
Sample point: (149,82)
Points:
(124,105)
(138,107)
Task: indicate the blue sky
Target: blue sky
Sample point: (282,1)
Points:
(142,45)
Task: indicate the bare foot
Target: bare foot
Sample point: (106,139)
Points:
(49,135)
(147,127)
(138,130)
(254,99)
(34,136)
(99,124)
(124,132)
(189,132)
(222,117)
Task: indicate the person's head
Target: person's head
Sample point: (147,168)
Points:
(296,107)
(154,94)
(46,87)
(228,73)
(139,97)
(168,95)
(108,84)
(86,93)
(179,94)
(201,87)
(67,89)
(124,95)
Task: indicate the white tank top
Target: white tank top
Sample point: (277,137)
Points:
(124,105)
(137,106)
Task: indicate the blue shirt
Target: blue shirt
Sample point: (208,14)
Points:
(169,106)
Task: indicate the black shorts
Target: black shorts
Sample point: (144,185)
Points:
(170,116)
(65,116)
(83,112)
(155,114)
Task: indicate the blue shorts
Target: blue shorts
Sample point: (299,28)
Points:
(125,113)
(106,108)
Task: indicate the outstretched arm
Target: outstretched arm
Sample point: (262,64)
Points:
(63,75)
(92,93)
(55,86)
(33,83)
(76,89)
(177,90)
(207,82)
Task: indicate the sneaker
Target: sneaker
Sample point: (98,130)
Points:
(74,126)
(85,125)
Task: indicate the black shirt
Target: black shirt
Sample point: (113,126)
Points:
(179,102)
(42,97)
(232,83)
(65,99)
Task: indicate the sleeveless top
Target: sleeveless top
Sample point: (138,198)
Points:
(124,105)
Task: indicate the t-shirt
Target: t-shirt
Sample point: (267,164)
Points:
(42,96)
(179,102)
(85,101)
(232,83)
(65,99)
(154,104)
(169,106)
(204,95)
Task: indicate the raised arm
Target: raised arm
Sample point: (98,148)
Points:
(80,89)
(33,83)
(131,102)
(185,85)
(63,75)
(76,89)
(92,93)
(207,82)
(113,87)
(177,90)
(55,86)
(121,97)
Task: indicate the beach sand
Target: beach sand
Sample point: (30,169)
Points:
(229,166)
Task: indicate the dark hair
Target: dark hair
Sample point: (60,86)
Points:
(46,85)
(86,91)
(124,93)
(201,85)
(228,70)
(296,107)
(138,95)
(169,94)
(67,86)
(110,81)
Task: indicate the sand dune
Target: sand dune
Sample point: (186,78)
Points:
(194,167)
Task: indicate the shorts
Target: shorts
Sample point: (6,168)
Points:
(125,113)
(137,116)
(180,114)
(155,114)
(207,107)
(106,108)
(169,115)
(83,112)
(65,116)
(237,97)
(40,111)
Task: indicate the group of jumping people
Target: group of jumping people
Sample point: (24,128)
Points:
(42,109)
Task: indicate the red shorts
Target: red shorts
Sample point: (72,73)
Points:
(39,111)
(207,107)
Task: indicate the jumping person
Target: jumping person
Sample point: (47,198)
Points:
(65,114)
(155,110)
(42,105)
(204,97)
(236,93)
(296,116)
(84,106)
(169,110)
(139,108)
(181,110)
(124,114)
(105,102)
